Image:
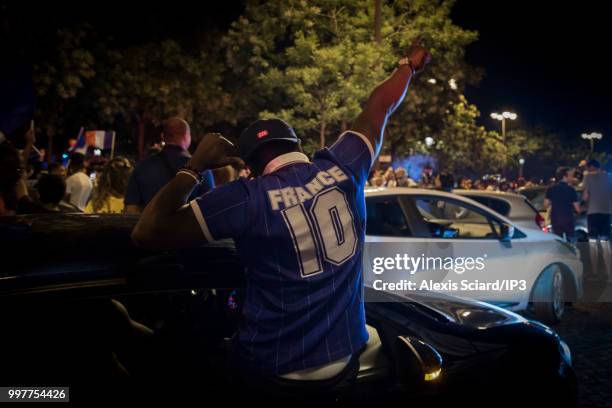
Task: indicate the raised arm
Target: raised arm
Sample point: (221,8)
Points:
(387,96)
(166,221)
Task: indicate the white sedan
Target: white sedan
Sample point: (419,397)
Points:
(430,221)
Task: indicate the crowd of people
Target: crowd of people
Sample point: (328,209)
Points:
(564,201)
(446,181)
(117,186)
(430,179)
(120,186)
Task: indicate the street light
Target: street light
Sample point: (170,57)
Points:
(503,117)
(591,137)
(429,141)
(522,164)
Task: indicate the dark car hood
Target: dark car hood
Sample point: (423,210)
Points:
(452,309)
(50,248)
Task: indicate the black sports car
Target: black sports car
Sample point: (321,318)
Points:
(68,282)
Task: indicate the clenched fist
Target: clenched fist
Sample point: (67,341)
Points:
(418,56)
(213,152)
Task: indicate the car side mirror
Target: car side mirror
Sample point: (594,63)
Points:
(423,362)
(506,232)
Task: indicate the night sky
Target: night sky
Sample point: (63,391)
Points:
(548,62)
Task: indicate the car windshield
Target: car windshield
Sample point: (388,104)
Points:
(385,217)
(536,197)
(449,219)
(499,206)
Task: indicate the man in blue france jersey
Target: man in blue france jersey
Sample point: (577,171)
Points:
(299,227)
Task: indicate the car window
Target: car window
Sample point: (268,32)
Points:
(499,206)
(530,194)
(530,205)
(450,219)
(536,197)
(385,217)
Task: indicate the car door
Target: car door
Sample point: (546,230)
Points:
(390,232)
(474,233)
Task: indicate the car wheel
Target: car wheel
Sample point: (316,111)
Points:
(548,296)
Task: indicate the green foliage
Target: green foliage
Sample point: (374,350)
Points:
(160,80)
(88,84)
(59,80)
(463,145)
(314,64)
(311,63)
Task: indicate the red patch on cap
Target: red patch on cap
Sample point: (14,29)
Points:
(262,133)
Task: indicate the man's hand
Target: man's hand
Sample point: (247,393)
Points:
(213,152)
(418,56)
(387,96)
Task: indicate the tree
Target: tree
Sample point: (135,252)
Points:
(461,145)
(436,93)
(310,63)
(85,83)
(154,81)
(522,144)
(314,64)
(327,89)
(60,80)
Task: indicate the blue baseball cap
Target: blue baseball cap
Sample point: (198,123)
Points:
(263,131)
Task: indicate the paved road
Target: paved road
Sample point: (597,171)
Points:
(587,329)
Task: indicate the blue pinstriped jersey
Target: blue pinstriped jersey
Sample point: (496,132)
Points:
(299,230)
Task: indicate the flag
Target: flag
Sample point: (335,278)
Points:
(100,139)
(81,144)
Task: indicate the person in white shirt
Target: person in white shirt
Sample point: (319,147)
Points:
(78,185)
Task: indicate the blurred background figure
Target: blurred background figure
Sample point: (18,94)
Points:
(581,170)
(78,183)
(109,194)
(504,186)
(402,179)
(427,176)
(444,182)
(10,174)
(373,174)
(465,184)
(389,178)
(51,191)
(562,199)
(56,169)
(377,181)
(224,175)
(154,172)
(597,193)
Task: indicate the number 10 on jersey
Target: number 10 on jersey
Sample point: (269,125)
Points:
(325,233)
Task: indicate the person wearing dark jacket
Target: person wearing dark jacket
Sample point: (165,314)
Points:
(154,172)
(562,199)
